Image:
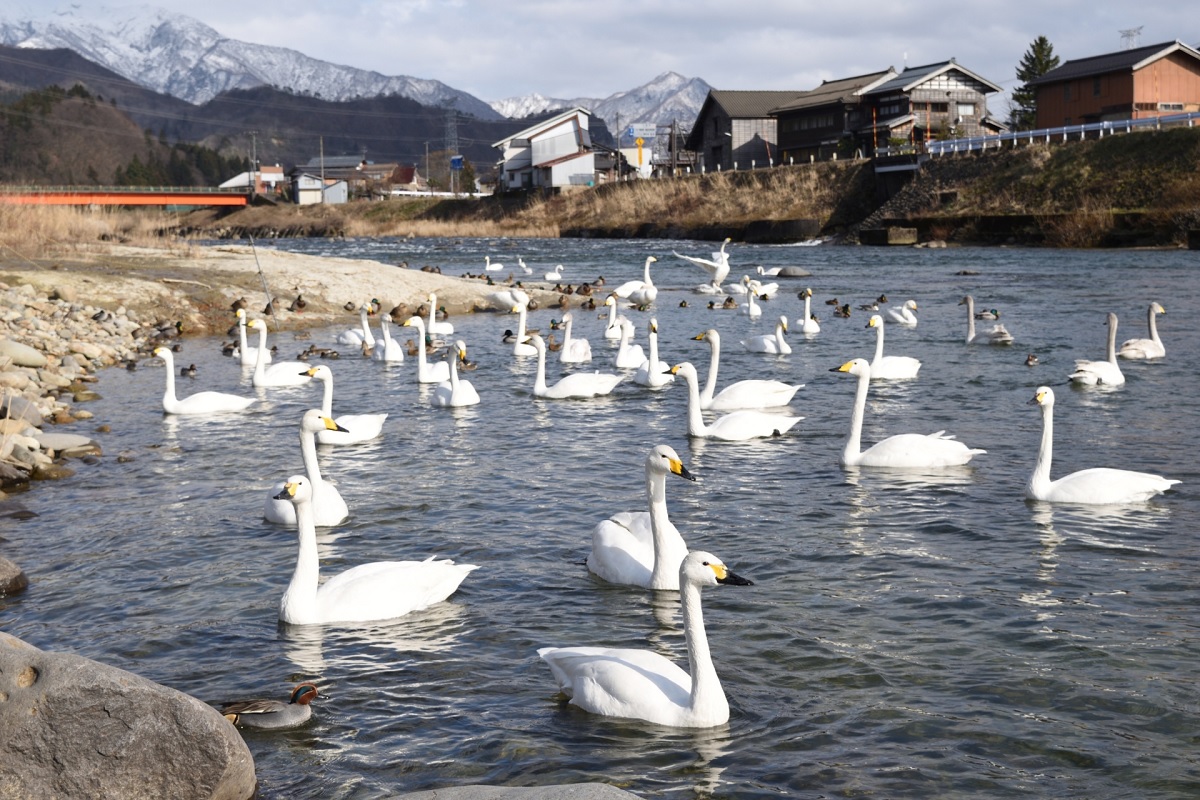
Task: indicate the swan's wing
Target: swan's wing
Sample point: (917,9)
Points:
(754,393)
(618,682)
(585,384)
(1105,485)
(386,589)
(741,425)
(895,367)
(623,549)
(916,450)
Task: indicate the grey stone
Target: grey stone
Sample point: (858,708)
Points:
(72,728)
(566,791)
(794,272)
(21,354)
(13,406)
(12,579)
(69,444)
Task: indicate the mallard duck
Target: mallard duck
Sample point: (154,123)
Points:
(273,714)
(298,304)
(350,306)
(240,303)
(729,302)
(683,303)
(832,302)
(188,371)
(1031,360)
(842,310)
(989,313)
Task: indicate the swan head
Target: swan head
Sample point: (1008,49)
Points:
(806,292)
(314,421)
(967,301)
(650,259)
(256,324)
(910,304)
(241,316)
(164,353)
(783,323)
(461,348)
(664,459)
(857,367)
(704,569)
(1044,397)
(414,322)
(653,325)
(320,372)
(1157,309)
(297,489)
(875,321)
(685,369)
(611,300)
(711,336)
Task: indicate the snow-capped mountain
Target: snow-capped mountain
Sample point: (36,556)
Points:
(181,56)
(668,97)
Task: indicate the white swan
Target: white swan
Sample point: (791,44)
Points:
(521,345)
(426,372)
(902,451)
(889,368)
(246,355)
(505,299)
(903,315)
(612,330)
(1096,486)
(356,427)
(200,402)
(997,335)
(639,292)
(736,426)
(644,685)
(750,393)
(1146,348)
(629,355)
(643,548)
(1101,373)
(281,373)
(388,350)
(770,343)
(750,308)
(368,592)
(769,271)
(436,326)
(456,392)
(717,268)
(809,324)
(555,274)
(489,266)
(356,338)
(574,350)
(524,267)
(652,372)
(328,507)
(764,290)
(575,385)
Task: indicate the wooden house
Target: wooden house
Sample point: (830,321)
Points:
(815,125)
(735,129)
(1152,81)
(553,154)
(933,101)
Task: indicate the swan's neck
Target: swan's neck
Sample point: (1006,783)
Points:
(421,363)
(327,397)
(260,364)
(710,385)
(308,453)
(646,274)
(169,399)
(807,308)
(539,383)
(696,426)
(521,325)
(453,373)
(1039,482)
(707,695)
(1112,343)
(1153,325)
(653,352)
(386,329)
(567,335)
(366,328)
(970,319)
(878,346)
(242,335)
(432,310)
(300,599)
(853,449)
(667,540)
(612,315)
(779,336)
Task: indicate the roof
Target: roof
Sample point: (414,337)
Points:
(335,162)
(749,105)
(843,90)
(1120,61)
(534,130)
(914,76)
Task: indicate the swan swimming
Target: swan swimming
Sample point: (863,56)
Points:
(809,324)
(1146,348)
(281,373)
(997,335)
(770,343)
(643,548)
(426,372)
(736,426)
(554,275)
(456,392)
(1101,373)
(903,315)
(368,592)
(629,355)
(652,372)
(890,368)
(1096,486)
(612,330)
(352,428)
(521,345)
(576,385)
(574,350)
(902,451)
(246,355)
(435,325)
(644,685)
(356,338)
(328,507)
(489,266)
(389,351)
(200,402)
(750,393)
(641,292)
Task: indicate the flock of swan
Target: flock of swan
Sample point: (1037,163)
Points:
(639,548)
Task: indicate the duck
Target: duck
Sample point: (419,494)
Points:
(736,426)
(351,428)
(750,393)
(426,372)
(574,349)
(890,368)
(247,356)
(329,508)
(199,403)
(987,313)
(612,330)
(770,343)
(832,302)
(808,324)
(299,304)
(1031,360)
(1095,486)
(1146,348)
(717,268)
(645,685)
(903,315)
(629,355)
(842,311)
(365,593)
(902,451)
(455,392)
(641,292)
(1101,373)
(576,385)
(188,371)
(643,548)
(729,303)
(554,274)
(522,347)
(652,372)
(239,304)
(997,335)
(437,326)
(281,373)
(273,714)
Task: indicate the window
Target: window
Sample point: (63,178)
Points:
(1170,106)
(966,109)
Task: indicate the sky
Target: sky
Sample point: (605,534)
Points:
(569,49)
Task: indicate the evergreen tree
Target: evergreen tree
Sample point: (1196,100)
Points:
(1037,61)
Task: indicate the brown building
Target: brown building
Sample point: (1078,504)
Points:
(735,130)
(817,124)
(1152,81)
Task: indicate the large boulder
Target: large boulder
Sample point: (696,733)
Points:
(12,579)
(71,728)
(21,354)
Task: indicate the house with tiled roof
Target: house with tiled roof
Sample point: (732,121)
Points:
(1152,81)
(815,125)
(735,129)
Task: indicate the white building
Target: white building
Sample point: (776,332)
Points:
(553,154)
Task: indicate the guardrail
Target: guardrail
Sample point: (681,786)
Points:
(1094,130)
(76,189)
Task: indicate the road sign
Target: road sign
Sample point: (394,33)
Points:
(456,162)
(643,130)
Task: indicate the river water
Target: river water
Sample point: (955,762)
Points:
(906,636)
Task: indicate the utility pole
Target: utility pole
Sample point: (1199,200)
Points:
(427,183)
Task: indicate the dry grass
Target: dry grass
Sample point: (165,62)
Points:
(1085,226)
(33,232)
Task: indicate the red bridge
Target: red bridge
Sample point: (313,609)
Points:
(122,196)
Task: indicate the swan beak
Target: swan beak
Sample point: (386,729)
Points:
(699,337)
(675,369)
(870,323)
(843,368)
(727,577)
(333,426)
(1036,400)
(679,469)
(310,372)
(289,491)
(410,322)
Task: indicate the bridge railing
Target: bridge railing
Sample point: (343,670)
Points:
(19,189)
